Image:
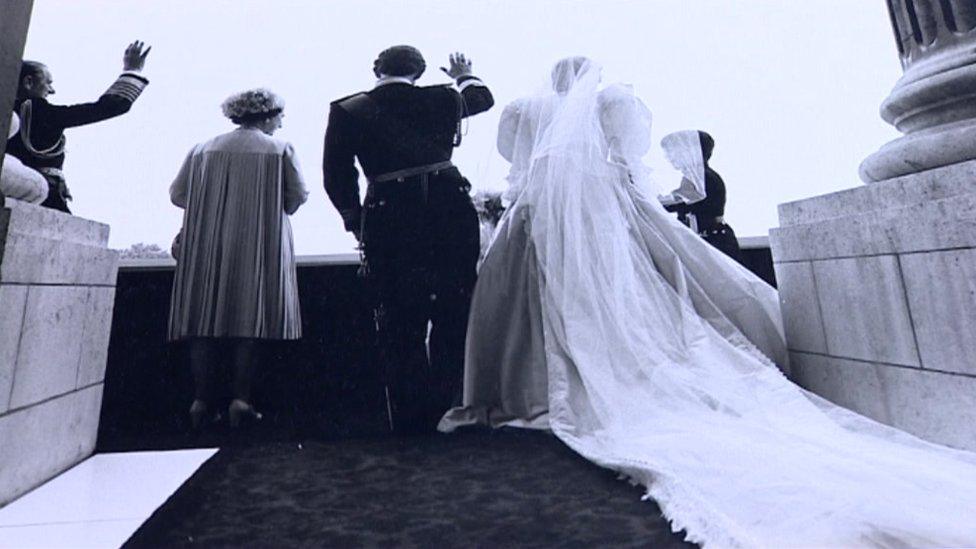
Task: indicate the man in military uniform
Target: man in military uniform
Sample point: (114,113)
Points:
(40,142)
(417,227)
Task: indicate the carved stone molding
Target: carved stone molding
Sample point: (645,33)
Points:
(934,102)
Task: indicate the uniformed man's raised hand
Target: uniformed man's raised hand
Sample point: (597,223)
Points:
(460,66)
(135,58)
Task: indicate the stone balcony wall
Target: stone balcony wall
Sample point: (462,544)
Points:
(326,385)
(878,283)
(878,291)
(57,290)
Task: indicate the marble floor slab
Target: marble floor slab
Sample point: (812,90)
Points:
(98,503)
(97,534)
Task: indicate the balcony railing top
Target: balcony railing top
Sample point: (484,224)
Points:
(334,260)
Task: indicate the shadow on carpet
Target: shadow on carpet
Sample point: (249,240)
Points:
(506,488)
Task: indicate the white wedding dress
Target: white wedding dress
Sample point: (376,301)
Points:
(599,317)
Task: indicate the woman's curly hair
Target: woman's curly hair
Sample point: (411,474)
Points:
(252,106)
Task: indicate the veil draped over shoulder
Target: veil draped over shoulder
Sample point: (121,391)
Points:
(683,149)
(659,353)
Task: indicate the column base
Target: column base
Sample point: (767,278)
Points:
(920,151)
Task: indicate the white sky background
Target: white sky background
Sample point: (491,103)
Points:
(790,89)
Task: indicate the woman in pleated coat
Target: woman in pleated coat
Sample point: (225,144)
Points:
(235,281)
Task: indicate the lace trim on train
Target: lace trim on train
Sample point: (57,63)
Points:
(683,508)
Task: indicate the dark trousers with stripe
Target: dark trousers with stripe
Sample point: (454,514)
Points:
(421,244)
(57,195)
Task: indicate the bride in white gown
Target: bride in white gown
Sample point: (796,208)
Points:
(598,316)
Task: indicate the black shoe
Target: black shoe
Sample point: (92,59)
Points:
(198,412)
(240,411)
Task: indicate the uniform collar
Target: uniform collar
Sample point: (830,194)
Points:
(34,100)
(384,80)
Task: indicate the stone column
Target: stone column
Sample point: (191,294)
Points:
(878,282)
(13,35)
(934,103)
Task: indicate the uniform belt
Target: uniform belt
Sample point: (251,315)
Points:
(401,175)
(697,223)
(54,172)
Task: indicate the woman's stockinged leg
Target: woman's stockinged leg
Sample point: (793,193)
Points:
(202,357)
(245,362)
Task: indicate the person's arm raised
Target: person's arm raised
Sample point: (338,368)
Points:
(477,97)
(117,100)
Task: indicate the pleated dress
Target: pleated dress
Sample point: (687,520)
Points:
(236,275)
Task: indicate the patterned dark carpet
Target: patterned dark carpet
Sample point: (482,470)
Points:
(506,488)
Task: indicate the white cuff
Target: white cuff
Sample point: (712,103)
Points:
(128,86)
(473,81)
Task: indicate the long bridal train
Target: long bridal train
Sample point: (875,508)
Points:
(648,352)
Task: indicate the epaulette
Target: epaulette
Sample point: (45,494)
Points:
(350,96)
(358,105)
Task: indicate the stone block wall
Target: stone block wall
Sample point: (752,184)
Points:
(57,290)
(878,291)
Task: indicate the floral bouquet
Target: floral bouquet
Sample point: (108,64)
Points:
(489,206)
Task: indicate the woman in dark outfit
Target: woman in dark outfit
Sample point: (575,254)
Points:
(705,215)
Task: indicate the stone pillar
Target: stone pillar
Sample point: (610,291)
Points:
(13,35)
(934,103)
(878,282)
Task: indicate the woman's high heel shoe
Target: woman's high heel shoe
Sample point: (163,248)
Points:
(239,411)
(198,411)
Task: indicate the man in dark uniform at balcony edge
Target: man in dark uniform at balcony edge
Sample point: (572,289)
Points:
(417,226)
(40,144)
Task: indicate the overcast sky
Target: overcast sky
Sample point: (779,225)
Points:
(790,89)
